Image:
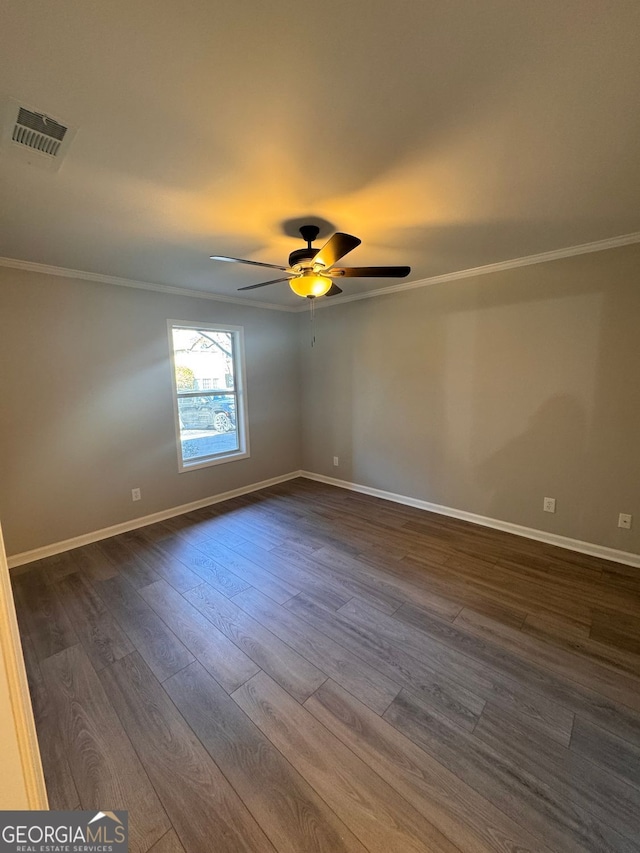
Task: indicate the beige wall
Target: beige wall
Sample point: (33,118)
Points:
(484,395)
(488,394)
(86,405)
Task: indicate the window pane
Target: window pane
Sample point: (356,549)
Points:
(210,399)
(208,425)
(203,359)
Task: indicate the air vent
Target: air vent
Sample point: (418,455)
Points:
(38,132)
(34,136)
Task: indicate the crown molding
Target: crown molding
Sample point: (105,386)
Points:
(46,269)
(500,266)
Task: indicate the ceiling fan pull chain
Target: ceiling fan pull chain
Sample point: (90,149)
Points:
(312,315)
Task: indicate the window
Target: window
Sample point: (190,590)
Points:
(209,400)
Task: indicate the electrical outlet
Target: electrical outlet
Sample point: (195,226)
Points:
(624,520)
(136,495)
(335,462)
(549,505)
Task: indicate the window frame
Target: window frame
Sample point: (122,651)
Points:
(239,391)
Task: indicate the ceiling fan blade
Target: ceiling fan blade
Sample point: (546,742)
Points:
(263,283)
(335,248)
(243,261)
(370,272)
(334,290)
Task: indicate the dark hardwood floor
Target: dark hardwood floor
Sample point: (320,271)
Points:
(309,669)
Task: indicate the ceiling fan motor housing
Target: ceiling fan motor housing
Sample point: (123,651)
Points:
(302,257)
(299,256)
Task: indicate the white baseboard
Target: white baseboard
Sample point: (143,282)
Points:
(593,550)
(616,556)
(95,536)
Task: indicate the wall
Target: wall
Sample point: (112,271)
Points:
(488,394)
(86,405)
(484,394)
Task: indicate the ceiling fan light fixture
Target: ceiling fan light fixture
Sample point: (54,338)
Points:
(312,270)
(310,284)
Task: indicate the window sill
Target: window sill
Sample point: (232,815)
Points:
(206,462)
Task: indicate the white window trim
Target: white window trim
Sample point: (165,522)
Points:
(241,395)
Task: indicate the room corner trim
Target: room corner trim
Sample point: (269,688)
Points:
(500,266)
(590,548)
(11,657)
(26,557)
(47,269)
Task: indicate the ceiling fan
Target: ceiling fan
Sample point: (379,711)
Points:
(310,271)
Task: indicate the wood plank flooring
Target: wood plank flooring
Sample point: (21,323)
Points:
(309,670)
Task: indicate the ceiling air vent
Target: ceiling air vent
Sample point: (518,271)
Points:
(38,132)
(34,136)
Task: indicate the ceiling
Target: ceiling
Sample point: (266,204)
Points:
(446,135)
